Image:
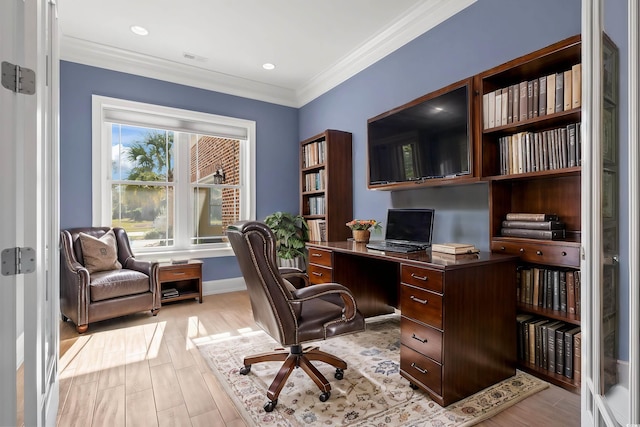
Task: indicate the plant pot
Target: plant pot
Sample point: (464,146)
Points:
(361,236)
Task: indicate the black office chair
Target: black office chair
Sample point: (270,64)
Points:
(290,315)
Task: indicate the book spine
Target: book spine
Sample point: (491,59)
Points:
(571,293)
(577,359)
(568,90)
(560,351)
(492,109)
(505,106)
(542,102)
(551,350)
(533,234)
(551,93)
(523,101)
(510,104)
(530,99)
(556,290)
(516,102)
(536,97)
(568,353)
(559,105)
(576,86)
(524,216)
(534,225)
(563,291)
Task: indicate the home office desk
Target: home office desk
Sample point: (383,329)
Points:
(458,323)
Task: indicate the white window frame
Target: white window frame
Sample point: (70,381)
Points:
(174,119)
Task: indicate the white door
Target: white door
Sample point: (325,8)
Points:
(29,213)
(611,301)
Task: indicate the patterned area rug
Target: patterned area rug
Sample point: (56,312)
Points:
(372,392)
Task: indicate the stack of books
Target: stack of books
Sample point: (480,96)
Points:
(317,230)
(454,251)
(170,293)
(540,226)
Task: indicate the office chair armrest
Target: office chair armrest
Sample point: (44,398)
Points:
(324,289)
(295,276)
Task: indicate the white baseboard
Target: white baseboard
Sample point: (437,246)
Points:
(233,284)
(19,351)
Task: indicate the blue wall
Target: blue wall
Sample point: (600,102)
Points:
(486,34)
(277,139)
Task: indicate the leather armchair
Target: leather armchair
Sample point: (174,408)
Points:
(291,315)
(90,297)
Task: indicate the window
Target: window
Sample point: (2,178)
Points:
(174,179)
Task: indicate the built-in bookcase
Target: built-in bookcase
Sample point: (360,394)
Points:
(326,184)
(530,154)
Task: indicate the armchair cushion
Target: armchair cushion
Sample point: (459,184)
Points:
(100,254)
(117,283)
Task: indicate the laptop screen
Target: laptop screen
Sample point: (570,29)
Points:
(412,225)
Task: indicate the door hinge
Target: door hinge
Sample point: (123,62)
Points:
(18,261)
(18,79)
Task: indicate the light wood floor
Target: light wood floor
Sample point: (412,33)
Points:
(141,370)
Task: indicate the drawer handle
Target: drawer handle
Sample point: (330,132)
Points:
(315,273)
(538,252)
(502,248)
(418,368)
(521,250)
(421,301)
(316,255)
(423,278)
(564,253)
(417,338)
(179,273)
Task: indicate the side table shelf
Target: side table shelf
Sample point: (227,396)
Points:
(185,278)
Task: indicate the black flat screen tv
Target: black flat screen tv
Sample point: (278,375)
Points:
(425,139)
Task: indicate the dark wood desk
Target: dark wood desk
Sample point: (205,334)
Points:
(458,324)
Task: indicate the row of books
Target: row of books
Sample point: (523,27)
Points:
(537,151)
(313,153)
(316,205)
(533,226)
(528,99)
(317,230)
(550,288)
(314,181)
(550,344)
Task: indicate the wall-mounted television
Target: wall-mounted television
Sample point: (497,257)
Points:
(428,138)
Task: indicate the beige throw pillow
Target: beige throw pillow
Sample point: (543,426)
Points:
(100,254)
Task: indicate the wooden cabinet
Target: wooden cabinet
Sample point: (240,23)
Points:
(326,182)
(537,180)
(186,279)
(455,322)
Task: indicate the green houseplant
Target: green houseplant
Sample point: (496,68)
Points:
(291,231)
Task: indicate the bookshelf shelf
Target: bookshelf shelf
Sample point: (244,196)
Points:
(326,192)
(541,140)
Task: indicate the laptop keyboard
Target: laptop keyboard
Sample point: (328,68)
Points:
(396,247)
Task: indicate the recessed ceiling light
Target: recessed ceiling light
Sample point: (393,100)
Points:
(268,66)
(141,31)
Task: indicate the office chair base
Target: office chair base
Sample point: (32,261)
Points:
(297,357)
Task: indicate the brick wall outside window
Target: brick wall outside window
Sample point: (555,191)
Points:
(207,156)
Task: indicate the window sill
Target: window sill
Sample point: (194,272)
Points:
(186,254)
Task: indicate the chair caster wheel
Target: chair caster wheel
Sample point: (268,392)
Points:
(413,386)
(339,374)
(270,406)
(244,371)
(324,396)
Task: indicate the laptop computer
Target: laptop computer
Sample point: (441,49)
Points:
(408,230)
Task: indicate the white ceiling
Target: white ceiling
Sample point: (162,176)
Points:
(315,44)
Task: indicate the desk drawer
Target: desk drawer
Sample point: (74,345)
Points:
(553,253)
(422,278)
(423,339)
(319,274)
(320,257)
(421,305)
(179,273)
(424,370)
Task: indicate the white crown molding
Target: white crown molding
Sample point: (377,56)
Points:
(412,24)
(98,55)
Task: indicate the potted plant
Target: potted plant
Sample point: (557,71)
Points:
(291,232)
(361,229)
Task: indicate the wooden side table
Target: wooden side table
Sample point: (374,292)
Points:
(185,278)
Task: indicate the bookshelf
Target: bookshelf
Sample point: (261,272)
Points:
(530,155)
(326,185)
